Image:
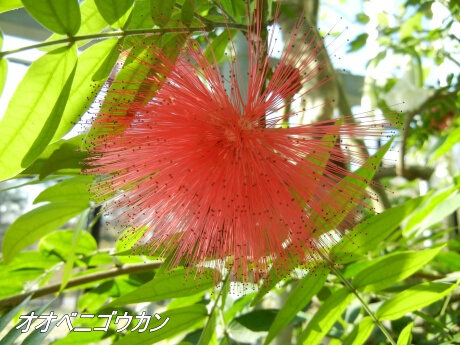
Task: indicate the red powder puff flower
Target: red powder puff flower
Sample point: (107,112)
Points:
(205,168)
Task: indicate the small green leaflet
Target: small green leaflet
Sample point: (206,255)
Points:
(60,16)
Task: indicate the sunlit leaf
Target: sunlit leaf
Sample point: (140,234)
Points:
(452,139)
(297,300)
(93,68)
(140,16)
(249,327)
(59,242)
(209,329)
(368,235)
(37,167)
(91,22)
(8,5)
(67,156)
(161,11)
(35,110)
(393,268)
(33,225)
(426,208)
(449,259)
(3,73)
(412,299)
(73,189)
(187,11)
(115,12)
(358,43)
(360,333)
(440,212)
(60,16)
(405,337)
(178,283)
(74,248)
(325,317)
(235,8)
(215,51)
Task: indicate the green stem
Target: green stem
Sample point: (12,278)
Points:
(364,304)
(210,26)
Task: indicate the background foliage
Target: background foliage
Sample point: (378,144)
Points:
(404,265)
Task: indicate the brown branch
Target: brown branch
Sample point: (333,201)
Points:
(114,272)
(410,173)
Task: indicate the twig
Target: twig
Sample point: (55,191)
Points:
(364,304)
(124,33)
(114,272)
(410,172)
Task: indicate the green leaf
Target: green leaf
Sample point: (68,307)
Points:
(140,17)
(452,139)
(215,51)
(67,156)
(362,18)
(451,260)
(368,235)
(59,242)
(405,338)
(108,63)
(91,22)
(3,73)
(33,225)
(73,189)
(393,268)
(15,333)
(325,317)
(358,43)
(208,330)
(8,5)
(427,207)
(60,16)
(412,299)
(39,164)
(187,12)
(161,11)
(180,319)
(93,68)
(37,336)
(9,316)
(297,300)
(236,8)
(73,248)
(251,326)
(360,333)
(178,283)
(30,260)
(411,25)
(440,212)
(36,103)
(115,12)
(51,124)
(359,180)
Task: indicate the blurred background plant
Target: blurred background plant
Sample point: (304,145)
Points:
(405,264)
